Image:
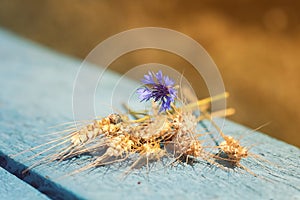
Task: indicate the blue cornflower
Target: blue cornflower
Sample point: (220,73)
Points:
(158,87)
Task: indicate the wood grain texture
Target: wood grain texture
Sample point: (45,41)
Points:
(36,93)
(13,188)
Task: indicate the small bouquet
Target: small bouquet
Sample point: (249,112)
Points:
(169,131)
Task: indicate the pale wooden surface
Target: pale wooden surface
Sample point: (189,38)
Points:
(13,188)
(36,90)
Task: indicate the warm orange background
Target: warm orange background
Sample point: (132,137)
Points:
(254,43)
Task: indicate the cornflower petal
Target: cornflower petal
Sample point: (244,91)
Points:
(144,94)
(159,77)
(148,79)
(168,81)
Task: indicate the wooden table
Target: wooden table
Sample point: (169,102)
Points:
(36,93)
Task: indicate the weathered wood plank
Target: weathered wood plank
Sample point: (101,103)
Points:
(36,90)
(12,188)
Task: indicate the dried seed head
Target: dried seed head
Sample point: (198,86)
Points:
(184,143)
(152,150)
(195,149)
(115,118)
(157,128)
(233,149)
(119,145)
(185,122)
(184,146)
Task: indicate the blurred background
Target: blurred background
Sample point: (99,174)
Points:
(254,43)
